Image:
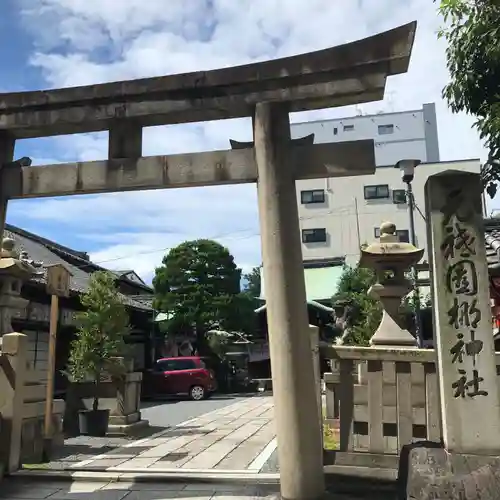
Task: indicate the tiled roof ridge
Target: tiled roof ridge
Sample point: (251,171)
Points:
(69,256)
(51,245)
(491,222)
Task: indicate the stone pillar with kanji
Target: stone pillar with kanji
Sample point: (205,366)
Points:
(470,406)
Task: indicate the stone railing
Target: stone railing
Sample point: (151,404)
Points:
(32,433)
(22,406)
(22,400)
(381,399)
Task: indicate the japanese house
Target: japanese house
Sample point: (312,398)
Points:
(41,252)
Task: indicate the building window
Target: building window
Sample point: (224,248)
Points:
(399,196)
(312,196)
(317,235)
(378,192)
(403,235)
(348,128)
(335,130)
(386,129)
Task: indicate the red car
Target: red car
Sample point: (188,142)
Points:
(181,376)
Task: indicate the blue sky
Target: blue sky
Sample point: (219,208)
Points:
(16,47)
(59,43)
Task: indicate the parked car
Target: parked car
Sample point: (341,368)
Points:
(180,376)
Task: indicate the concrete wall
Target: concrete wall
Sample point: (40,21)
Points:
(345,209)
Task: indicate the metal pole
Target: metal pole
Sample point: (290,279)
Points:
(357,221)
(413,241)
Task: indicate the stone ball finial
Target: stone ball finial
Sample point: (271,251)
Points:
(8,248)
(387,228)
(8,244)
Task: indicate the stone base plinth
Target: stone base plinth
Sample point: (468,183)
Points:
(427,471)
(121,397)
(127,429)
(130,418)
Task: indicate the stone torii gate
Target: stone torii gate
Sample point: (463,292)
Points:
(267,92)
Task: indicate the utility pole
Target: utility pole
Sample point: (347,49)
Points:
(407,168)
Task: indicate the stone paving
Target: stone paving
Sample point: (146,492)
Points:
(58,490)
(80,448)
(239,437)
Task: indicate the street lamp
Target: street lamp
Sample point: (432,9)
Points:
(407,169)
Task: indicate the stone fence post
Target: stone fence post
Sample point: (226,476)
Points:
(13,369)
(314,333)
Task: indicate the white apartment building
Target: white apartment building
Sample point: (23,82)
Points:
(337,215)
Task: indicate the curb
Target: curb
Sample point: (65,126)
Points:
(155,477)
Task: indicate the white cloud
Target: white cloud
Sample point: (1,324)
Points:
(92,41)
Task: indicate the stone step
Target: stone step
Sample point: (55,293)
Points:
(205,476)
(361,482)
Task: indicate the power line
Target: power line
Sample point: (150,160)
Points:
(164,249)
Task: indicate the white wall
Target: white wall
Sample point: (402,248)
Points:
(341,219)
(407,140)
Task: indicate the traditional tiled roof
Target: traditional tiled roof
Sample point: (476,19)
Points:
(492,239)
(77,263)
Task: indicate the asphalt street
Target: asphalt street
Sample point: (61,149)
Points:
(166,413)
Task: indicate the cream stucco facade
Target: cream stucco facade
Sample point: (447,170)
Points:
(347,212)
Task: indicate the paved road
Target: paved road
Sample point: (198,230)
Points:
(167,413)
(237,437)
(272,464)
(161,416)
(17,489)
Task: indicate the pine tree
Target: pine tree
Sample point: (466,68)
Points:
(199,284)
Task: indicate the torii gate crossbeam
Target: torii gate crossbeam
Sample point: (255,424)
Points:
(267,91)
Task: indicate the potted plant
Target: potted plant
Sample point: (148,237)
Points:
(96,354)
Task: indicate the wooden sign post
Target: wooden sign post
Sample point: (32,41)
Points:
(58,279)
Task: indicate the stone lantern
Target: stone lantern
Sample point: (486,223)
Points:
(390,259)
(13,272)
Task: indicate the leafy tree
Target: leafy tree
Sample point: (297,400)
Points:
(99,343)
(253,282)
(241,316)
(199,284)
(363,312)
(473,58)
(355,280)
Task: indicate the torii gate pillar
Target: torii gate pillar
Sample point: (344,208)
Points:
(6,155)
(300,449)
